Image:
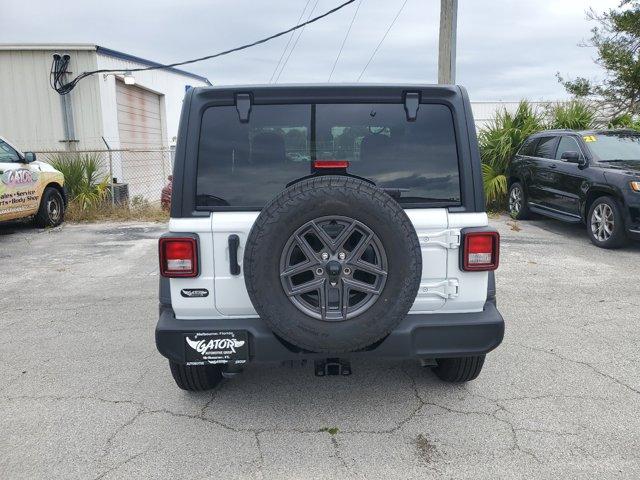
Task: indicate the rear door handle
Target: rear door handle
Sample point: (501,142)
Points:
(553,165)
(234,243)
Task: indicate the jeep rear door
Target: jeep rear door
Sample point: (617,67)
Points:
(247,152)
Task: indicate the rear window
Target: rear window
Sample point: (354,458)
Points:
(528,147)
(247,164)
(546,147)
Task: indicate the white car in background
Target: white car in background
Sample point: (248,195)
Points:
(30,188)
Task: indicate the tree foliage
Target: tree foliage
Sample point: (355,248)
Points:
(574,115)
(617,41)
(83,178)
(499,141)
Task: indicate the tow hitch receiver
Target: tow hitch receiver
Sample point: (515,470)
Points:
(332,366)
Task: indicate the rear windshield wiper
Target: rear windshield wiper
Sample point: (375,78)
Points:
(396,193)
(205,199)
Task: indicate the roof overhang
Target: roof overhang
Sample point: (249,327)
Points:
(48,46)
(67,47)
(143,61)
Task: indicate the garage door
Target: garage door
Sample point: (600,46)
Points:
(145,164)
(139,118)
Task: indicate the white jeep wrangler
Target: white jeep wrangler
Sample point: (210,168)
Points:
(327,223)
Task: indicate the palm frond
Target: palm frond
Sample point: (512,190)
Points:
(495,184)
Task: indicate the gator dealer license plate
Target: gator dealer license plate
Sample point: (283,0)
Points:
(217,347)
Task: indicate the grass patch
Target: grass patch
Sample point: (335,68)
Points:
(118,213)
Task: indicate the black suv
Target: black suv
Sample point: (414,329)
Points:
(590,176)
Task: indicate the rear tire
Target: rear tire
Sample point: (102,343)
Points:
(51,211)
(517,198)
(196,378)
(606,211)
(458,370)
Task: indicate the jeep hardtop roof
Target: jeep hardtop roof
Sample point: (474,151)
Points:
(243,97)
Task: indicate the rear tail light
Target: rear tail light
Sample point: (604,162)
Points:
(178,257)
(481,251)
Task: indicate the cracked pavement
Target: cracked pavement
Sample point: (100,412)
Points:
(84,394)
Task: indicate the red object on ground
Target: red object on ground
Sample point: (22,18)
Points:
(165,196)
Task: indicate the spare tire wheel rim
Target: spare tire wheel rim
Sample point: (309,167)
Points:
(333,268)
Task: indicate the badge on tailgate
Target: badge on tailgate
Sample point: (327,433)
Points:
(230,347)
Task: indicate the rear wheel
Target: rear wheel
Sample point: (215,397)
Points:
(51,211)
(195,378)
(461,369)
(518,202)
(605,225)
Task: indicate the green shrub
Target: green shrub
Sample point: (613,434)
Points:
(86,184)
(625,121)
(574,115)
(499,141)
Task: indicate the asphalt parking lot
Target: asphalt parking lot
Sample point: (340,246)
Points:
(84,394)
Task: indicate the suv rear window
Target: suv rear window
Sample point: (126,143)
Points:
(247,164)
(546,147)
(528,147)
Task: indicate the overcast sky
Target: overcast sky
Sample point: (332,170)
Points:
(507,49)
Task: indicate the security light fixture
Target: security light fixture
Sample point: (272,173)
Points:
(128,79)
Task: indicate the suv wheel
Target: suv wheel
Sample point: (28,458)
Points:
(518,202)
(605,224)
(461,369)
(196,378)
(51,211)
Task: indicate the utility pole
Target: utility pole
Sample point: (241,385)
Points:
(447,44)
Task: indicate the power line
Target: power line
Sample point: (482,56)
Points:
(294,44)
(57,73)
(344,40)
(288,42)
(382,40)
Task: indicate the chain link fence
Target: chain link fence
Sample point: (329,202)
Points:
(135,176)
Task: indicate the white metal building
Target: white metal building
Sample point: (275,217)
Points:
(484,112)
(138,121)
(33,115)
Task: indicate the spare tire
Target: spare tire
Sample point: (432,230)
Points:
(332,264)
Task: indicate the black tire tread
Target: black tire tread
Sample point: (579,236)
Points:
(41,219)
(457,370)
(619,237)
(195,378)
(524,212)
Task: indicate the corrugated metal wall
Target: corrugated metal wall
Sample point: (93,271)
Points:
(139,117)
(170,85)
(31,111)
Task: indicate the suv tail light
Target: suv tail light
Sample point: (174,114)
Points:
(481,251)
(178,257)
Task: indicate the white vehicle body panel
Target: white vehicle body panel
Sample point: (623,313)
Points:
(443,287)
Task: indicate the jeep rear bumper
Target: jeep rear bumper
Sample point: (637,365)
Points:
(437,335)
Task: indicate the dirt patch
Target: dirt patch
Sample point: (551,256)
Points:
(426,450)
(141,213)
